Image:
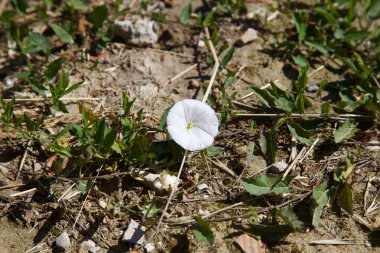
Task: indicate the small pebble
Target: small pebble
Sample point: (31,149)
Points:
(278,167)
(90,246)
(101,203)
(312,87)
(63,241)
(194,84)
(202,187)
(149,247)
(201,43)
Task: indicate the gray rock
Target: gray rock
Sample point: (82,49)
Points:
(247,37)
(90,246)
(63,241)
(312,87)
(138,31)
(278,167)
(134,233)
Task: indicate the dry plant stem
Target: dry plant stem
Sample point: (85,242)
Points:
(216,66)
(8,186)
(220,165)
(23,160)
(182,73)
(316,71)
(85,199)
(310,149)
(64,194)
(172,192)
(61,99)
(295,161)
(22,193)
(297,115)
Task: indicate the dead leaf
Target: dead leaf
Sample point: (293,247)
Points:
(249,244)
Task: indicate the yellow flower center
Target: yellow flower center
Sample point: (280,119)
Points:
(190,125)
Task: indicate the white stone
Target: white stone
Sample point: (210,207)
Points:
(134,233)
(201,43)
(248,36)
(101,203)
(63,241)
(202,187)
(149,247)
(138,32)
(278,167)
(90,246)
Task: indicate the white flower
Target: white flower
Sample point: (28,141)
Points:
(192,124)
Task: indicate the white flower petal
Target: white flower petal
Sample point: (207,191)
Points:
(199,140)
(201,116)
(176,116)
(180,135)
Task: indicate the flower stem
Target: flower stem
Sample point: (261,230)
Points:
(172,192)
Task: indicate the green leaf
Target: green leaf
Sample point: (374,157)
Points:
(227,58)
(321,48)
(270,233)
(264,97)
(325,108)
(321,87)
(109,140)
(186,13)
(345,198)
(21,5)
(301,61)
(53,68)
(62,34)
(35,42)
(373,9)
(208,19)
(73,87)
(85,187)
(320,198)
(326,14)
(100,132)
(98,16)
(291,218)
(286,103)
(301,25)
(345,131)
(203,232)
(150,211)
(300,133)
(78,4)
(261,185)
(163,119)
(354,36)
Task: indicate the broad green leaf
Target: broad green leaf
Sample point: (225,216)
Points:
(186,13)
(291,218)
(98,16)
(150,211)
(300,24)
(208,19)
(345,198)
(35,42)
(321,87)
(285,103)
(299,133)
(203,232)
(261,185)
(264,97)
(100,132)
(53,68)
(301,61)
(62,34)
(345,131)
(21,5)
(320,198)
(85,187)
(270,233)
